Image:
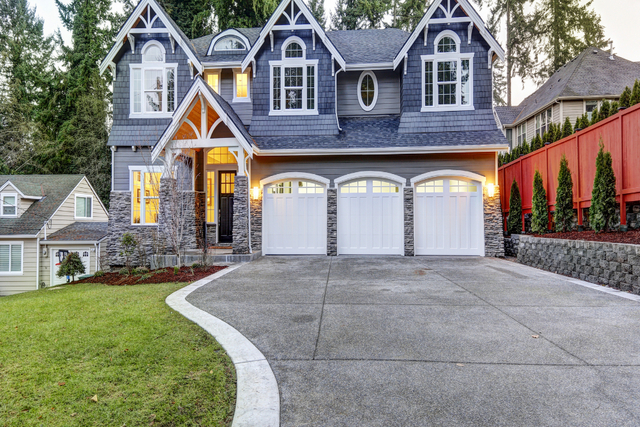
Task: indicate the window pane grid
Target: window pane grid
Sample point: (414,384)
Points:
(211,204)
(447,44)
(464,82)
(354,187)
(9,205)
(242,85)
(456,186)
(431,187)
(10,258)
(227,183)
(293,50)
(447,78)
(311,76)
(276,88)
(306,187)
(293,86)
(220,156)
(145,197)
(281,188)
(428,83)
(384,187)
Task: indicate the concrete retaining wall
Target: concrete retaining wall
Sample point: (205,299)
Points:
(613,264)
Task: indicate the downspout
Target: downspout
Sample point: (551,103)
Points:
(335,88)
(37,261)
(97,247)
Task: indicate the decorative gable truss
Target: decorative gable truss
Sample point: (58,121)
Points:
(144,20)
(287,18)
(449,12)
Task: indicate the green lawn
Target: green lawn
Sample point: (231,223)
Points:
(146,364)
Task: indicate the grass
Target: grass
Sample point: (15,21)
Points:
(146,364)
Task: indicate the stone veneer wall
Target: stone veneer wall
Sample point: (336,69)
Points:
(613,264)
(185,205)
(332,221)
(256,224)
(240,243)
(511,245)
(493,227)
(408,222)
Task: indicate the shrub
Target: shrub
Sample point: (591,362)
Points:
(140,270)
(124,271)
(567,129)
(595,117)
(128,244)
(524,148)
(71,266)
(540,211)
(196,265)
(564,197)
(605,109)
(557,134)
(176,269)
(145,277)
(536,143)
(603,196)
(98,273)
(635,94)
(514,222)
(625,98)
(614,107)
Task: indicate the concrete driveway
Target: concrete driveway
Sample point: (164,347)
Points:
(434,342)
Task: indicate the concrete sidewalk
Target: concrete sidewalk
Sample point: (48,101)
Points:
(363,341)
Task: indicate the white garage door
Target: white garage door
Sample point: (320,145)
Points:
(370,218)
(448,218)
(294,218)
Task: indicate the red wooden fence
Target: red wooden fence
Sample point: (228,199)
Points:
(620,134)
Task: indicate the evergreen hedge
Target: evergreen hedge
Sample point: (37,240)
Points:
(564,198)
(514,222)
(635,93)
(567,129)
(540,211)
(603,196)
(625,98)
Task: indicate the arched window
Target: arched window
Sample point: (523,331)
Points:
(153,83)
(230,43)
(447,75)
(367,90)
(293,80)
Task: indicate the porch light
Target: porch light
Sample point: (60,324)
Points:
(255,193)
(491,189)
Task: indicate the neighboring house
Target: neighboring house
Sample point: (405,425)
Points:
(42,218)
(301,141)
(578,87)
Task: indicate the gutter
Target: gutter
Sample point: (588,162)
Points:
(71,242)
(384,151)
(564,98)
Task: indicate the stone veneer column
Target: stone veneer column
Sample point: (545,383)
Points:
(332,221)
(493,227)
(240,243)
(256,224)
(408,222)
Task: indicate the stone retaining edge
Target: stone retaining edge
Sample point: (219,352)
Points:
(258,397)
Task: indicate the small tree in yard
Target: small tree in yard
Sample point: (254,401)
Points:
(603,196)
(564,198)
(128,244)
(540,218)
(514,222)
(567,129)
(71,266)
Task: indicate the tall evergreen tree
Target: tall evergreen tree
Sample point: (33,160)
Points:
(564,198)
(603,195)
(406,14)
(357,14)
(194,17)
(567,129)
(539,208)
(514,221)
(317,8)
(346,15)
(243,13)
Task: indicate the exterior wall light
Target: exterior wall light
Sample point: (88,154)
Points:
(255,193)
(491,190)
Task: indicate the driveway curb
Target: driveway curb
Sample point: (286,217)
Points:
(258,397)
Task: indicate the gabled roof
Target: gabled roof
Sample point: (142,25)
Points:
(80,232)
(467,9)
(203,45)
(55,188)
(592,74)
(221,107)
(172,28)
(304,9)
(369,46)
(507,115)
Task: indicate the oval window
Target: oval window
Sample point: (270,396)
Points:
(367,90)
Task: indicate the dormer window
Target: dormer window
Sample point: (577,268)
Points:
(229,43)
(9,206)
(447,76)
(293,80)
(153,83)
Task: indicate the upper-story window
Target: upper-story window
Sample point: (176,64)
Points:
(213,80)
(589,106)
(84,206)
(522,132)
(9,205)
(153,83)
(543,120)
(293,80)
(447,75)
(367,90)
(229,43)
(241,86)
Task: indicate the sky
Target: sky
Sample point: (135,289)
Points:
(620,24)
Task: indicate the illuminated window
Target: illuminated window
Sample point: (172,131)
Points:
(456,186)
(220,156)
(211,196)
(240,86)
(354,187)
(213,80)
(431,187)
(227,182)
(384,187)
(145,197)
(281,188)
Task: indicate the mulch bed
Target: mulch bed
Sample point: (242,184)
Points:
(631,237)
(163,275)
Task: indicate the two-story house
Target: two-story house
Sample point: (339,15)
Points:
(300,141)
(578,87)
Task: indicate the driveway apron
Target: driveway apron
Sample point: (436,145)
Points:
(424,341)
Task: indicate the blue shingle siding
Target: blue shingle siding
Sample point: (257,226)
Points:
(129,131)
(448,121)
(264,125)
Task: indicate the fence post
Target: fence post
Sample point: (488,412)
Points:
(578,188)
(623,203)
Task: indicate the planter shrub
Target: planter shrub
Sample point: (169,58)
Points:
(514,222)
(603,196)
(564,198)
(540,211)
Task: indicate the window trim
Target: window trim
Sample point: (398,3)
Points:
(229,36)
(217,73)
(75,206)
(443,34)
(142,170)
(237,71)
(294,39)
(444,57)
(14,273)
(15,215)
(584,107)
(375,90)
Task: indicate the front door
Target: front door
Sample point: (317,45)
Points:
(225,214)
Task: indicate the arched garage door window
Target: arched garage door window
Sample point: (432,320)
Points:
(294,218)
(448,217)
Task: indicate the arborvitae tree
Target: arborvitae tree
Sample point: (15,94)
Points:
(243,13)
(595,116)
(514,221)
(614,107)
(625,98)
(317,8)
(557,132)
(635,94)
(605,109)
(567,129)
(603,196)
(539,209)
(525,148)
(578,124)
(585,122)
(564,198)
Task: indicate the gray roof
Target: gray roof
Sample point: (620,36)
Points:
(448,121)
(80,232)
(56,188)
(368,46)
(590,74)
(142,135)
(381,132)
(507,114)
(201,45)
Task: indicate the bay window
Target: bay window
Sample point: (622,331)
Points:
(153,83)
(293,81)
(447,76)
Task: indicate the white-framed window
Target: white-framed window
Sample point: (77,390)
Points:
(241,86)
(509,136)
(294,80)
(589,106)
(84,206)
(153,83)
(543,120)
(367,90)
(145,194)
(9,206)
(522,132)
(213,80)
(229,43)
(11,256)
(447,75)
